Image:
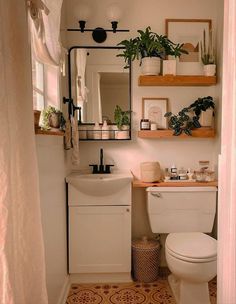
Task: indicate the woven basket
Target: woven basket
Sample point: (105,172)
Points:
(146,260)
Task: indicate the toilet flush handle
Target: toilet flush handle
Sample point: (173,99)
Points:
(156,194)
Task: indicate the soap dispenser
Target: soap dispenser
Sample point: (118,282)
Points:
(105,130)
(97,134)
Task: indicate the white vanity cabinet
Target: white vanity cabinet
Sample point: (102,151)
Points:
(99,238)
(99,226)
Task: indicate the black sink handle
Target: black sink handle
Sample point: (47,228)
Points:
(108,168)
(95,168)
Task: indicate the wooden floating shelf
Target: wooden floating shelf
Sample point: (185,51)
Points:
(52,131)
(199,133)
(179,80)
(140,184)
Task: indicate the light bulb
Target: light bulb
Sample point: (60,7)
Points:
(83,12)
(113,12)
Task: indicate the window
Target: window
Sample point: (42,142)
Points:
(38,74)
(45,85)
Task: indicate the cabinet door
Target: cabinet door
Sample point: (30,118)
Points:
(99,239)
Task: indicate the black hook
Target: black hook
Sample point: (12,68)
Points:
(72,108)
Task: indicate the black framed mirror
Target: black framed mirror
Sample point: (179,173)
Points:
(97,83)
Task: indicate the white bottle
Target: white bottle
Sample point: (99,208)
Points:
(105,130)
(97,134)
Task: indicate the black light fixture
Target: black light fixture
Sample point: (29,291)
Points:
(99,34)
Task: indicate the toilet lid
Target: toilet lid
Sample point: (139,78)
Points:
(193,245)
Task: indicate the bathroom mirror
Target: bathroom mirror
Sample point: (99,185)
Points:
(98,82)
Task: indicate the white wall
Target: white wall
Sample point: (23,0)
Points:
(138,14)
(52,172)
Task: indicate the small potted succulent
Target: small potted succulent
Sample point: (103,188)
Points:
(122,120)
(208,55)
(52,117)
(149,48)
(203,108)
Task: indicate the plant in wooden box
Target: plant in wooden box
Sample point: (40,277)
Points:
(122,121)
(182,122)
(203,108)
(208,55)
(149,48)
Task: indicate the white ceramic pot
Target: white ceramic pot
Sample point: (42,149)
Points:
(151,66)
(169,67)
(209,70)
(206,118)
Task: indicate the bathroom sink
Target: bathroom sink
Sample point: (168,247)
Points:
(99,185)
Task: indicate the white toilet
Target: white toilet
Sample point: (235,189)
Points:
(185,213)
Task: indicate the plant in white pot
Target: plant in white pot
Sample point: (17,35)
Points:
(173,51)
(208,55)
(150,48)
(122,121)
(203,108)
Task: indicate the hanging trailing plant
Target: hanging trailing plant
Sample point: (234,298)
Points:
(181,122)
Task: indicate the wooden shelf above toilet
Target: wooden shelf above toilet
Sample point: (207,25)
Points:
(140,184)
(178,80)
(199,133)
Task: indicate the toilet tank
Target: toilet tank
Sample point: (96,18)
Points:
(181,209)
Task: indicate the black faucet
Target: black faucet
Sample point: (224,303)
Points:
(101,168)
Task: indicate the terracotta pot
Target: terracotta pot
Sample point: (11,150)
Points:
(36,118)
(55,120)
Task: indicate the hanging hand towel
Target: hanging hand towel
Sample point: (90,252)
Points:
(67,142)
(75,140)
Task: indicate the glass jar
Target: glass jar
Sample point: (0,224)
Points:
(204,165)
(144,124)
(200,176)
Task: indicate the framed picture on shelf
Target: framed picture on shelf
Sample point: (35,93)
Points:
(154,109)
(190,33)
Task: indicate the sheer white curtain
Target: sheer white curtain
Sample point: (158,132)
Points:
(227,165)
(45,18)
(22,265)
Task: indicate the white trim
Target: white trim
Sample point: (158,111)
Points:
(64,291)
(123,277)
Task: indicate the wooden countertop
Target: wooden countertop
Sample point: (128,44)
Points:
(140,184)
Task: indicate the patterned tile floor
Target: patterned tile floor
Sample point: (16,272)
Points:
(129,293)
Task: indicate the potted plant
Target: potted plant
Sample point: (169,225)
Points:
(52,117)
(122,121)
(149,48)
(182,122)
(203,108)
(173,51)
(207,55)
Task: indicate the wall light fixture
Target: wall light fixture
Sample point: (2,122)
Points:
(99,34)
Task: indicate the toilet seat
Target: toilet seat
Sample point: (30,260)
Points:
(195,247)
